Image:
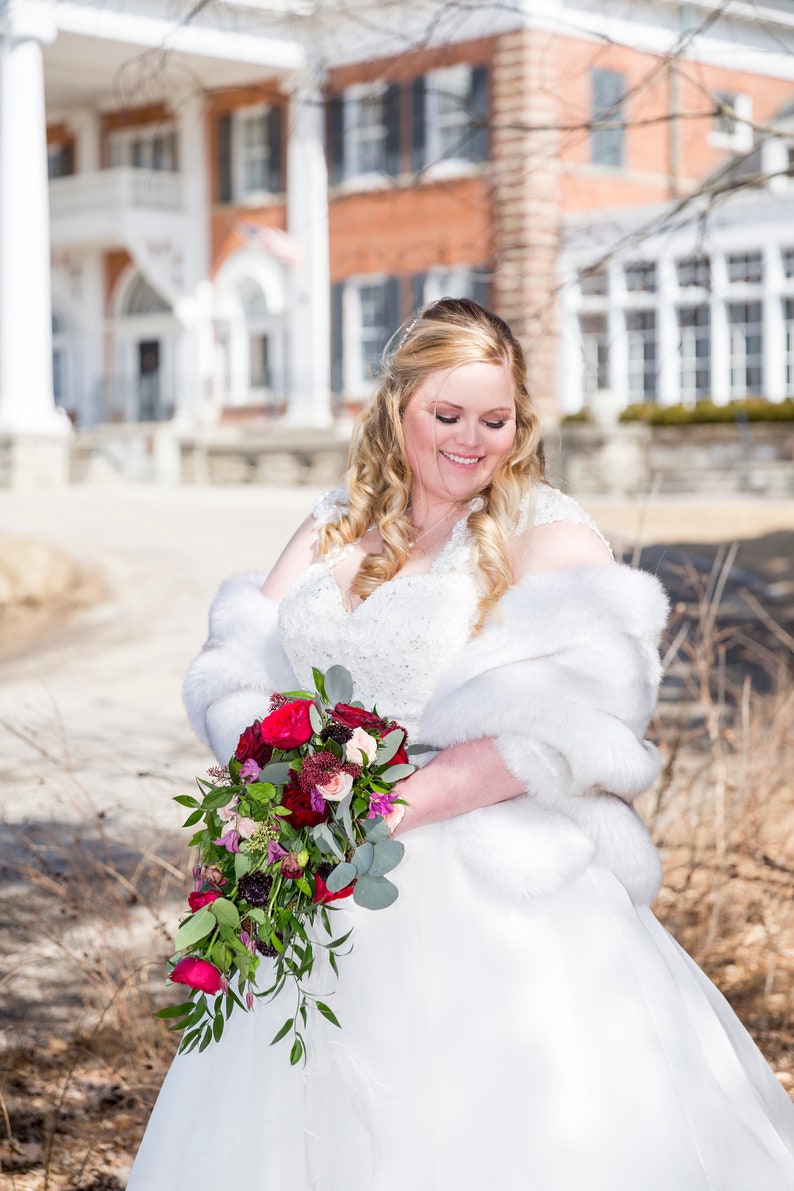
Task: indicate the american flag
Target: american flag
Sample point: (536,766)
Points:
(273,240)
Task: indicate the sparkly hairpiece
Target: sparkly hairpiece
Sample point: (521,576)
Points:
(409,328)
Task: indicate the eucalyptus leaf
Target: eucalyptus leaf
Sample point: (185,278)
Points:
(341,876)
(225,912)
(388,855)
(338,685)
(342,812)
(362,857)
(275,772)
(414,750)
(397,773)
(374,893)
(197,927)
(376,829)
(315,719)
(325,840)
(389,745)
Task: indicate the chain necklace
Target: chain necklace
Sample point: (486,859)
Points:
(425,532)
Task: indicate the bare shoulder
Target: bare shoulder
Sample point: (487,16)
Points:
(297,555)
(558,544)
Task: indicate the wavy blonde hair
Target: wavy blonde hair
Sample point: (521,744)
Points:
(445,334)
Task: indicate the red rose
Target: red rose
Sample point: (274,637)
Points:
(252,747)
(299,803)
(197,973)
(197,900)
(322,893)
(357,717)
(289,726)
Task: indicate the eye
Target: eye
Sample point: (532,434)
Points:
(495,425)
(447,419)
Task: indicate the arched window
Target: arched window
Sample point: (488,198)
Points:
(142,298)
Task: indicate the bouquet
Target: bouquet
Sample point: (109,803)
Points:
(294,822)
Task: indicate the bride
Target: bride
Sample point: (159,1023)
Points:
(519,1017)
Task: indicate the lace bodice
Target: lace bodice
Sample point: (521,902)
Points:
(397,643)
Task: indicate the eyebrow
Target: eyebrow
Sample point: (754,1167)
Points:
(497,409)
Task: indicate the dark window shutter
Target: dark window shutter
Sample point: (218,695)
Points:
(392,306)
(481,289)
(335,137)
(477,147)
(67,158)
(608,89)
(275,147)
(418,104)
(224,157)
(391,116)
(418,282)
(337,337)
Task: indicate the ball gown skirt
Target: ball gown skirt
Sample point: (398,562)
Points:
(560,1043)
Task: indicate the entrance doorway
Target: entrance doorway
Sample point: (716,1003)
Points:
(149,378)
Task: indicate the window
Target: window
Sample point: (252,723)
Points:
(363,132)
(641,342)
(745,268)
(365,313)
(459,282)
(733,113)
(593,329)
(454,115)
(593,283)
(60,159)
(747,345)
(608,117)
(150,147)
(693,271)
(787,261)
(694,329)
(249,153)
(640,277)
(788,323)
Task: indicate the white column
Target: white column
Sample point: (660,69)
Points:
(720,332)
(667,334)
(26,400)
(774,325)
(309,315)
(84,123)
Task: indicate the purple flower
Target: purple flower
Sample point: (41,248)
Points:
(198,877)
(250,770)
(245,938)
(230,840)
(249,1000)
(317,801)
(274,851)
(380,804)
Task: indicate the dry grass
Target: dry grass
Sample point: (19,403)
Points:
(84,906)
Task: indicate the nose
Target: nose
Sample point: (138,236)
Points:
(468,435)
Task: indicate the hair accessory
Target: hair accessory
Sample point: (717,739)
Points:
(409,328)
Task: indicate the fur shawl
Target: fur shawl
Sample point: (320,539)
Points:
(565,683)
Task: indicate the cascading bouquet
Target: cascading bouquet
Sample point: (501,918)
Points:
(295,821)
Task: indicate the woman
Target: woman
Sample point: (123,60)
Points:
(518,1016)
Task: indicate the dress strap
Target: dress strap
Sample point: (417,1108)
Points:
(544,505)
(329,507)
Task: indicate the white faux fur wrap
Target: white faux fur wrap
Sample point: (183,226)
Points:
(565,683)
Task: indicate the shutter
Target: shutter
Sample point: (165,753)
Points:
(608,88)
(477,146)
(418,282)
(481,289)
(67,158)
(223,148)
(418,135)
(391,116)
(392,307)
(275,148)
(335,138)
(337,338)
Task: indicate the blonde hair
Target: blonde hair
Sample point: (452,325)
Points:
(445,334)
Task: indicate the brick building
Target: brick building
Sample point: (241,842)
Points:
(244,202)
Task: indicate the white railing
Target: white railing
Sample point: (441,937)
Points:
(115,190)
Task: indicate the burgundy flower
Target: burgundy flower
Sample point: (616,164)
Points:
(298,803)
(289,726)
(291,866)
(359,717)
(251,746)
(197,973)
(197,900)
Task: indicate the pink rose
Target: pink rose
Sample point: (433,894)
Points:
(197,973)
(361,747)
(336,787)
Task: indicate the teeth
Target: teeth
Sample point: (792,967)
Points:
(459,459)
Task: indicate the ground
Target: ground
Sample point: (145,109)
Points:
(94,640)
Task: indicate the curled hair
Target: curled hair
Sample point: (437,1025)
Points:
(446,334)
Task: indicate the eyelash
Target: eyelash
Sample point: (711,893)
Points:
(450,421)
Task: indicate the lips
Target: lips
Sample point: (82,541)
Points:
(463,460)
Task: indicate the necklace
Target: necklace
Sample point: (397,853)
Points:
(425,532)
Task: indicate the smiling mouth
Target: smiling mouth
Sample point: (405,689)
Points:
(466,461)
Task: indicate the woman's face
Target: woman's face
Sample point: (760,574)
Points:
(459,427)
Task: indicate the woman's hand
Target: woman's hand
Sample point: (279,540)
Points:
(461,778)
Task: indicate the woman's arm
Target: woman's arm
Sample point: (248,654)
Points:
(467,776)
(296,556)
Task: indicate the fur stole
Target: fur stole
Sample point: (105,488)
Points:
(565,684)
(564,681)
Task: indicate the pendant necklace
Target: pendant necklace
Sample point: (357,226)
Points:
(425,532)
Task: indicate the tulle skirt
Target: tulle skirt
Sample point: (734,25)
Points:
(563,1043)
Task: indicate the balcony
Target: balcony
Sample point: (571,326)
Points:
(108,207)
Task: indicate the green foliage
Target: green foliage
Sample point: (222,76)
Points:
(751,409)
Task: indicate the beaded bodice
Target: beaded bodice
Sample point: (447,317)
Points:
(397,643)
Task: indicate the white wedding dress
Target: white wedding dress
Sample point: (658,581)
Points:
(558,1044)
